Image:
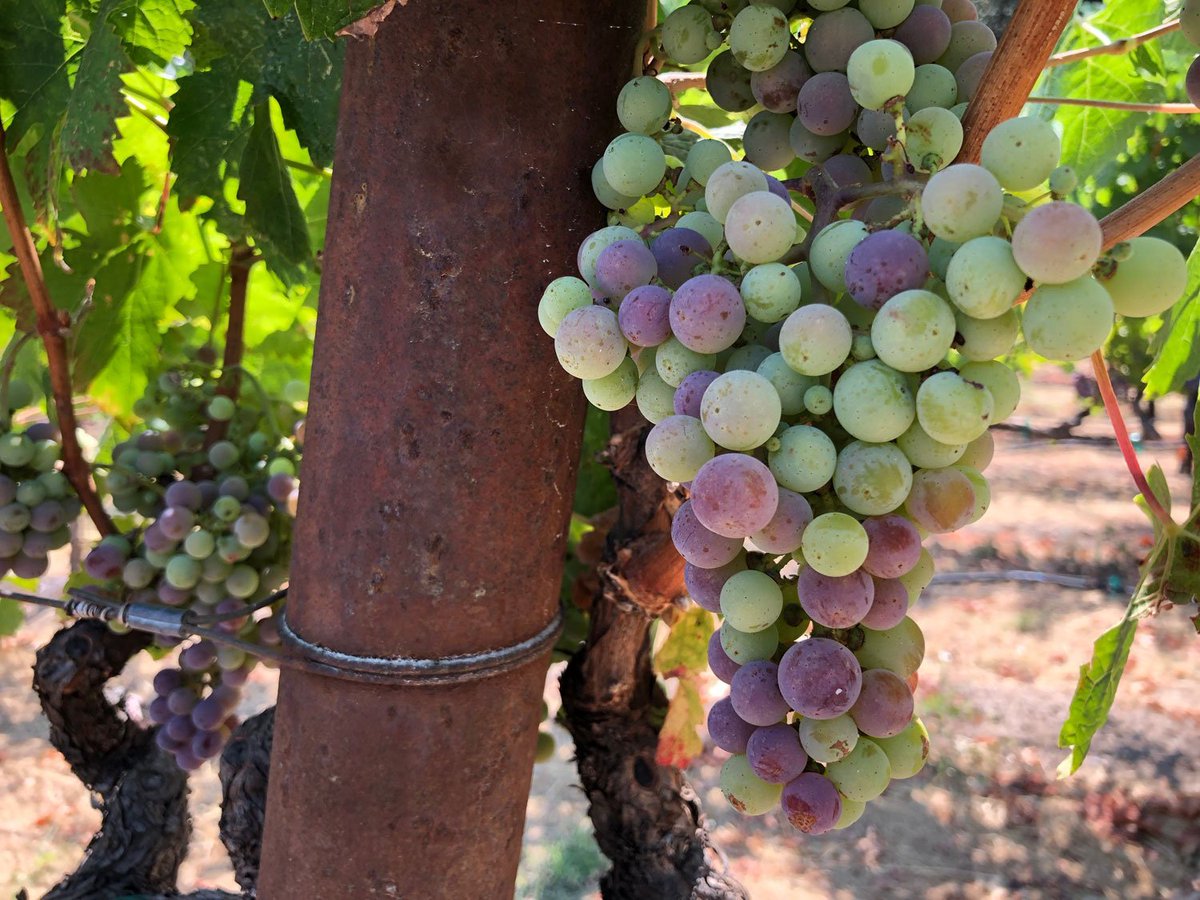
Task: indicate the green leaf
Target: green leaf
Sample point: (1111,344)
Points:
(14,296)
(96,99)
(1176,345)
(1094,695)
(207,128)
(273,214)
(12,617)
(325,18)
(152,30)
(686,648)
(594,489)
(679,740)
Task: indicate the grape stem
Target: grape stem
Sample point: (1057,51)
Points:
(1116,48)
(829,200)
(1153,205)
(643,63)
(1177,109)
(53,325)
(241,258)
(1100,367)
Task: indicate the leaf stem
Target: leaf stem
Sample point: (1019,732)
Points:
(52,325)
(1175,109)
(1115,48)
(1113,409)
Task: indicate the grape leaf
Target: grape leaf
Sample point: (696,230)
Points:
(325,18)
(96,99)
(152,30)
(1095,693)
(685,651)
(1176,347)
(14,295)
(273,214)
(594,489)
(207,129)
(12,616)
(679,740)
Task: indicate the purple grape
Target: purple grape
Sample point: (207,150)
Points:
(734,495)
(690,392)
(181,701)
(833,36)
(970,75)
(727,729)
(167,680)
(234,486)
(775,754)
(165,741)
(704,585)
(159,712)
(105,562)
(777,187)
(174,523)
(47,516)
(622,266)
(10,543)
(846,170)
(1192,82)
(811,802)
(875,128)
(279,486)
(895,546)
(770,338)
(8,490)
(207,744)
(754,692)
(42,431)
(180,728)
(25,566)
(149,441)
(208,714)
(227,695)
(884,264)
(37,544)
(825,105)
(776,88)
(172,596)
(238,677)
(718,660)
(707,314)
(187,760)
(782,533)
(697,544)
(678,251)
(885,706)
(926,34)
(644,316)
(819,678)
(157,541)
(268,631)
(208,492)
(230,605)
(889,607)
(835,602)
(198,656)
(185,494)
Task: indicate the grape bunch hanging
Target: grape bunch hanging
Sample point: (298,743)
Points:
(825,393)
(215,485)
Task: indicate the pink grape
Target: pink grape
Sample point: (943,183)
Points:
(835,602)
(644,316)
(884,264)
(697,544)
(782,534)
(926,33)
(890,605)
(819,678)
(734,495)
(624,265)
(885,706)
(755,694)
(704,585)
(690,393)
(811,803)
(895,546)
(775,754)
(727,729)
(776,88)
(707,314)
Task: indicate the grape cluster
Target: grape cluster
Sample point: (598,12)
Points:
(37,504)
(826,398)
(217,540)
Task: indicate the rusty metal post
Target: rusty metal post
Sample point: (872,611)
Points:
(441,444)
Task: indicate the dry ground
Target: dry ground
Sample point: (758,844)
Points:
(986,819)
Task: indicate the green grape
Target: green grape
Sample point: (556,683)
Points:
(728,83)
(615,390)
(983,492)
(872,479)
(1000,381)
(751,601)
(747,358)
(644,105)
(979,452)
(814,148)
(199,544)
(913,331)
(933,85)
(1063,181)
(242,581)
(1149,281)
(545,747)
(745,791)
(961,202)
(873,402)
(1021,152)
(223,454)
(676,362)
(941,252)
(743,646)
(898,649)
(916,579)
(221,408)
(1065,322)
(760,227)
(759,37)
(906,751)
(703,224)
(818,399)
(933,138)
(704,158)
(767,141)
(688,35)
(834,544)
(831,246)
(885,14)
(789,384)
(634,164)
(864,774)
(953,410)
(655,398)
(589,344)
(827,5)
(852,811)
(793,621)
(815,339)
(740,410)
(986,338)
(771,292)
(596,243)
(730,182)
(880,71)
(182,572)
(983,279)
(925,452)
(16,450)
(805,461)
(862,348)
(966,39)
(563,295)
(608,196)
(828,740)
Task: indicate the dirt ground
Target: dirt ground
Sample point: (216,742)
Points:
(985,819)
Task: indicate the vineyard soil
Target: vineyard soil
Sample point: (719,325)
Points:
(985,819)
